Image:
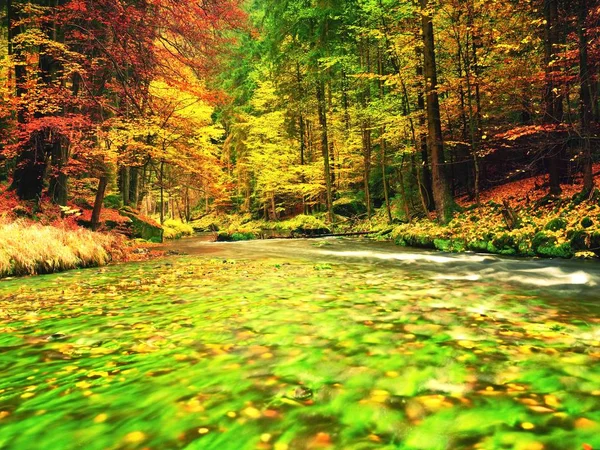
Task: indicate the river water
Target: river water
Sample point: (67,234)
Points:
(578,280)
(303,344)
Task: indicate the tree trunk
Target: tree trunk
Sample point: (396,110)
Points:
(425,181)
(585,98)
(366,144)
(553,113)
(322,109)
(134,186)
(441,192)
(58,189)
(162,192)
(98,201)
(125,184)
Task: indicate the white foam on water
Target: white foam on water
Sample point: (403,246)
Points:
(410,257)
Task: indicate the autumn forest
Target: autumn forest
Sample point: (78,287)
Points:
(299,224)
(282,108)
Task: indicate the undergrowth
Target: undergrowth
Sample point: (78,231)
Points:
(30,248)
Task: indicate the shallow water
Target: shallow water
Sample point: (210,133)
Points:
(332,343)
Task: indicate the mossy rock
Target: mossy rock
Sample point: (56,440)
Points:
(419,241)
(349,207)
(303,225)
(450,245)
(580,240)
(556,251)
(480,246)
(235,237)
(595,243)
(556,224)
(505,245)
(491,248)
(542,239)
(142,227)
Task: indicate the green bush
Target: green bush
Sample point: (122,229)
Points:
(586,222)
(113,201)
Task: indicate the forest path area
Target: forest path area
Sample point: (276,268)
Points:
(340,344)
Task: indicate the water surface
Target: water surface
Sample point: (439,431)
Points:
(286,344)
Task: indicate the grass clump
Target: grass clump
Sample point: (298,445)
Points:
(176,229)
(30,249)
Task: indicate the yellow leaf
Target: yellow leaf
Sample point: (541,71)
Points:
(100,418)
(251,412)
(135,437)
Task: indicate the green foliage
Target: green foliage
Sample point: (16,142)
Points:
(113,201)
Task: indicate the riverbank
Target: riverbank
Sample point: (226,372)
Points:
(515,219)
(34,249)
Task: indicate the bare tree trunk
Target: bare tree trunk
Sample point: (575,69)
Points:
(162,192)
(425,181)
(441,192)
(322,109)
(103,181)
(585,98)
(553,113)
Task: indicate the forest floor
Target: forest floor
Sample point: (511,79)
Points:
(533,223)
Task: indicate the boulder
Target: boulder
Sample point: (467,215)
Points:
(143,227)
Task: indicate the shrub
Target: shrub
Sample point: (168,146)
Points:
(113,201)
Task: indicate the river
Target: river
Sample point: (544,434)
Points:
(294,344)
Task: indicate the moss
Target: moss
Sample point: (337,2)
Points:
(236,236)
(243,236)
(556,251)
(477,245)
(541,239)
(579,240)
(505,244)
(491,248)
(175,229)
(142,227)
(450,245)
(304,225)
(556,224)
(113,201)
(208,223)
(348,207)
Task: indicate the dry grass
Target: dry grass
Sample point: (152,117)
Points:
(29,249)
